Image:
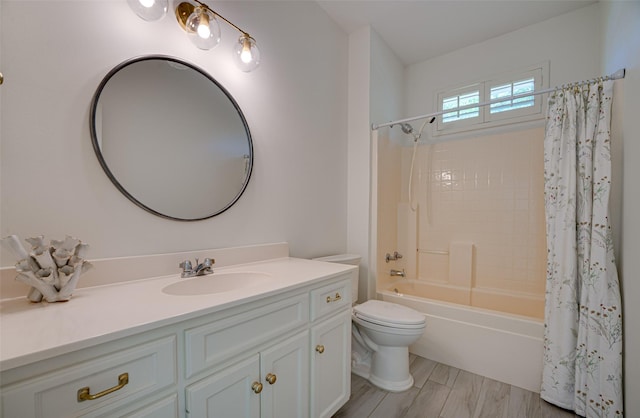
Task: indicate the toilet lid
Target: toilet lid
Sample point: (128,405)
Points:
(389,314)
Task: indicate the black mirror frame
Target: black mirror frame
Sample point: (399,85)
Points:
(103,163)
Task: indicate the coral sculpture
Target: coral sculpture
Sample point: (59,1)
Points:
(51,270)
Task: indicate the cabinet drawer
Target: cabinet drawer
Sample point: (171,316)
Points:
(221,340)
(150,367)
(330,298)
(163,408)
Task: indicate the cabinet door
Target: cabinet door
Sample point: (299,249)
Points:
(230,393)
(330,365)
(287,366)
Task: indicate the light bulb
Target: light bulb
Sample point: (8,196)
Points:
(247,53)
(149,9)
(203,31)
(203,28)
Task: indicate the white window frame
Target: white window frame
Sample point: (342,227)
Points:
(486,119)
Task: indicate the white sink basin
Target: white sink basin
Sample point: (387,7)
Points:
(215,283)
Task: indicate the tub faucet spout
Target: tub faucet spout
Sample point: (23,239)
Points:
(397,273)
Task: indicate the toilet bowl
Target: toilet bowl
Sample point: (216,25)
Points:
(385,330)
(381,335)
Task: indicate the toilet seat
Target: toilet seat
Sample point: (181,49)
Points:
(389,315)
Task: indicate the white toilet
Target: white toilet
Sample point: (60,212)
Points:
(381,335)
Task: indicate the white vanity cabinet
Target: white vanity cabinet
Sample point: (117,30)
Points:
(284,354)
(270,380)
(123,379)
(331,344)
(304,375)
(271,384)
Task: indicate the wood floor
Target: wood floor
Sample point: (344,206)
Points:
(441,391)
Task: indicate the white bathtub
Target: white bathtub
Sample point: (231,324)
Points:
(501,346)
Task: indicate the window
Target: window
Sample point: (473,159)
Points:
(508,91)
(508,94)
(459,101)
(455,102)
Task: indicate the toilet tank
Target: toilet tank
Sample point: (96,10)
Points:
(352,259)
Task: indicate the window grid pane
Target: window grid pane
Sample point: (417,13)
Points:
(455,102)
(510,90)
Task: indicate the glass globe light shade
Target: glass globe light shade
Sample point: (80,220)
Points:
(247,54)
(149,9)
(203,28)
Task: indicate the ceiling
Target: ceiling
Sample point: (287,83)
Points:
(417,30)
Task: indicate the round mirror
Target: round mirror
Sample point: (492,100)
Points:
(171,138)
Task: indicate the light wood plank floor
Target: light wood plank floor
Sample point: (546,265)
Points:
(441,391)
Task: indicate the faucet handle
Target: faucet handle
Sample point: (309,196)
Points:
(396,256)
(187,269)
(208,262)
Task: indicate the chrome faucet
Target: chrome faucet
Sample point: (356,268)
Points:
(201,269)
(397,273)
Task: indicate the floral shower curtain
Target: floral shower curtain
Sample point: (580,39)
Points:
(582,368)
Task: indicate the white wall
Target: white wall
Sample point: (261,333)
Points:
(375,94)
(387,103)
(359,152)
(295,105)
(387,82)
(571,42)
(621,49)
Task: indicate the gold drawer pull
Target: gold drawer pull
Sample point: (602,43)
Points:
(334,299)
(320,348)
(271,378)
(85,395)
(257,387)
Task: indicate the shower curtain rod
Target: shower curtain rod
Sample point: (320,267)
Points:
(615,76)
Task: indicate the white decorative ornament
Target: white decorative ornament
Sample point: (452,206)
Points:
(51,270)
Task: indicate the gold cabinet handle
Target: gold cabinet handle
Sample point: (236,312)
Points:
(257,387)
(271,378)
(84,394)
(320,348)
(334,299)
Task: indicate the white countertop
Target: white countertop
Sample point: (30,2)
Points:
(32,332)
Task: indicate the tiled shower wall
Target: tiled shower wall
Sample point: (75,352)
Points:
(487,191)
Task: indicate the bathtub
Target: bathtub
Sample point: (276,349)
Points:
(501,346)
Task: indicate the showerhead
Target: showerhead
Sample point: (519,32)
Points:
(406,128)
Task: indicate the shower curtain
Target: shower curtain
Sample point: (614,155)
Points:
(582,368)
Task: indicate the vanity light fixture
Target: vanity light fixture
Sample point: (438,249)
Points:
(201,24)
(149,9)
